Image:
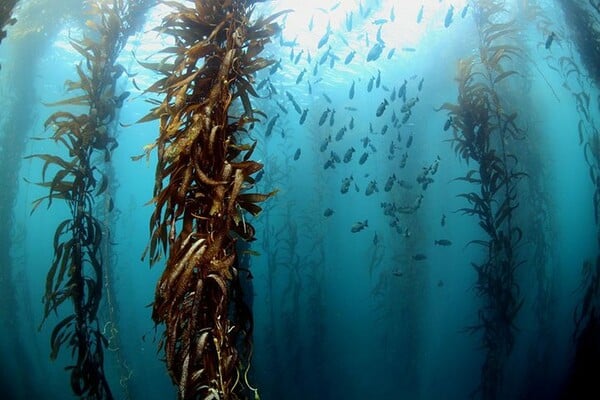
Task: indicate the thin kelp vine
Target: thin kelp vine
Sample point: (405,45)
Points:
(76,272)
(484,128)
(200,194)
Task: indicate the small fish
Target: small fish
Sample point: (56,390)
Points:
(324,116)
(281,107)
(447,124)
(393,96)
(351,94)
(363,158)
(351,124)
(370,85)
(334,157)
(442,242)
(402,91)
(311,23)
(380,21)
(381,107)
(350,108)
(419,257)
(420,15)
(359,226)
(262,84)
(303,117)
(443,221)
(346,184)
(300,76)
(421,84)
(375,239)
(297,154)
(365,141)
(550,40)
(325,143)
(448,19)
(378,79)
(292,55)
(340,134)
(390,183)
(392,14)
(404,184)
(271,125)
(349,57)
(348,155)
(409,141)
(324,39)
(409,49)
(406,117)
(327,98)
(391,53)
(332,118)
(440,283)
(375,52)
(406,107)
(371,188)
(329,164)
(384,129)
(349,21)
(397,272)
(275,67)
(328,212)
(297,59)
(324,57)
(464,11)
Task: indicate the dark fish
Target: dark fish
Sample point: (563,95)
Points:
(297,59)
(346,184)
(464,11)
(440,283)
(420,15)
(340,134)
(421,84)
(349,57)
(409,141)
(351,94)
(262,84)
(378,37)
(442,242)
(324,117)
(381,107)
(370,85)
(271,125)
(309,88)
(359,226)
(393,95)
(402,91)
(448,19)
(272,88)
(296,107)
(384,129)
(324,39)
(363,158)
(334,157)
(390,183)
(391,53)
(303,117)
(324,56)
(328,212)
(292,55)
(300,76)
(371,188)
(419,257)
(329,164)
(327,98)
(406,107)
(447,124)
(365,141)
(397,272)
(297,154)
(332,118)
(349,21)
(406,117)
(375,239)
(348,155)
(404,184)
(325,143)
(275,67)
(281,107)
(378,79)
(550,40)
(351,125)
(443,221)
(375,52)
(403,163)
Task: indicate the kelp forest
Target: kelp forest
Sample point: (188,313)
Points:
(262,199)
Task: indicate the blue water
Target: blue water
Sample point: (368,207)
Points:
(338,314)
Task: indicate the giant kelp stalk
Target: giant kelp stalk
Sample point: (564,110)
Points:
(484,129)
(202,173)
(76,272)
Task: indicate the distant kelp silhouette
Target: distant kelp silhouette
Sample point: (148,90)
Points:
(203,174)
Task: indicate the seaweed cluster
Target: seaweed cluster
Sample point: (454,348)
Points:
(200,195)
(76,271)
(483,129)
(6,10)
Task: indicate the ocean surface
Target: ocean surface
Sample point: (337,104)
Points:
(375,264)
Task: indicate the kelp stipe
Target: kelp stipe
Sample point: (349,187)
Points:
(483,130)
(202,175)
(76,273)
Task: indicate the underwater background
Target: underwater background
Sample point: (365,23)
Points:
(431,224)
